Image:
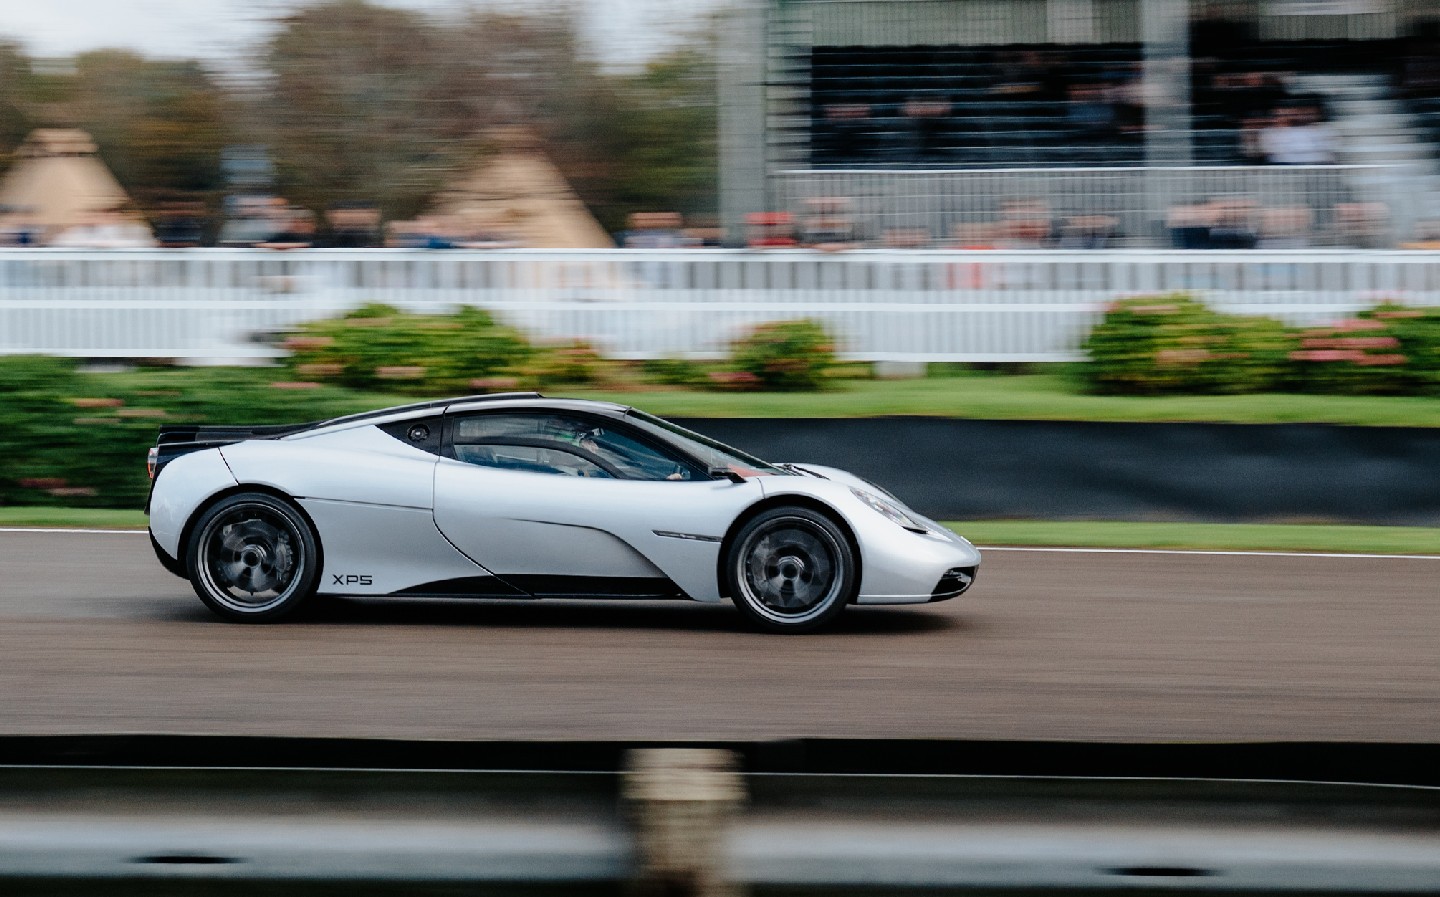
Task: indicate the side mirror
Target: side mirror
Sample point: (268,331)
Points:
(725,473)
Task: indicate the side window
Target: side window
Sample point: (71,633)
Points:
(535,443)
(562,444)
(639,460)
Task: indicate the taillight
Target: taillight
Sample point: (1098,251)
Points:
(150,460)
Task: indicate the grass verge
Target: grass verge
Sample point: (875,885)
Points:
(1203,536)
(1038,533)
(1028,397)
(79,518)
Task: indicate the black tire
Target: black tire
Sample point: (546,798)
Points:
(253,558)
(791,569)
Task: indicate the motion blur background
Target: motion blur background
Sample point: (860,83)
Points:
(1146,274)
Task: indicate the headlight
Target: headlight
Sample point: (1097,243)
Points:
(891,510)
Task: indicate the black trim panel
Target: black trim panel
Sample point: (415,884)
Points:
(464,587)
(547,585)
(692,537)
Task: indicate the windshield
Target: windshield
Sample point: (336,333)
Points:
(708,451)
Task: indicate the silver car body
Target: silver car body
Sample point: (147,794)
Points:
(394,519)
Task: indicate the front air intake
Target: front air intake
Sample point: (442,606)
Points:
(956,582)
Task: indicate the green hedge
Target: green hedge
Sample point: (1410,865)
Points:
(79,440)
(380,347)
(1176,345)
(782,355)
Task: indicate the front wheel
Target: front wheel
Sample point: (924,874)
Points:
(791,569)
(253,558)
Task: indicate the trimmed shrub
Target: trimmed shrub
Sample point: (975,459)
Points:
(379,347)
(574,363)
(1175,344)
(784,355)
(673,371)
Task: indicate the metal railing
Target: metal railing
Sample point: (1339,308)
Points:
(881,305)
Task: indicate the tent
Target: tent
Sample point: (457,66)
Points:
(517,193)
(58,182)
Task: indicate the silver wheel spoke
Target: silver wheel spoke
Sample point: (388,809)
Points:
(789,568)
(250,557)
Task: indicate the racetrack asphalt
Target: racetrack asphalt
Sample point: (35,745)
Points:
(96,638)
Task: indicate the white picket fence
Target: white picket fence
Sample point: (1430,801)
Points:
(883,305)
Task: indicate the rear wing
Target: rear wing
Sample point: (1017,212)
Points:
(175,440)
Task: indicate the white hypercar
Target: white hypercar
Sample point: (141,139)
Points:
(521,496)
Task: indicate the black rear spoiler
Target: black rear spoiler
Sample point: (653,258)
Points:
(176,440)
(221,434)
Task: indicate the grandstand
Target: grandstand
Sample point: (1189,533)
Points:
(1120,122)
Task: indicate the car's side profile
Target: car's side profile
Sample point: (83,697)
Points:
(521,496)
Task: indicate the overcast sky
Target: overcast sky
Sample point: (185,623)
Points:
(623,31)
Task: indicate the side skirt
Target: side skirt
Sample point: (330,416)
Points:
(542,585)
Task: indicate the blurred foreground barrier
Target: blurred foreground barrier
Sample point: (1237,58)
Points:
(117,832)
(682,802)
(1009,817)
(884,305)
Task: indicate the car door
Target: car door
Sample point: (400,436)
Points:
(567,503)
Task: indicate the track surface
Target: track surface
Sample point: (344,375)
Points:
(96,638)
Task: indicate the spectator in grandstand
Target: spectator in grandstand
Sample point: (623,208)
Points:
(1026,224)
(17,228)
(1089,232)
(653,230)
(353,225)
(1297,136)
(108,229)
(1234,224)
(1362,225)
(827,224)
(1420,72)
(1286,228)
(297,231)
(925,117)
(1090,114)
(1022,74)
(770,229)
(1220,223)
(848,126)
(1427,236)
(1189,225)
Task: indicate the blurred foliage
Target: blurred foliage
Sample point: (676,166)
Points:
(674,371)
(372,103)
(784,355)
(567,363)
(376,346)
(363,106)
(1153,345)
(15,121)
(160,125)
(645,142)
(79,440)
(1177,345)
(362,102)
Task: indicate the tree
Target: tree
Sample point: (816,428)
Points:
(160,125)
(14,122)
(646,141)
(361,107)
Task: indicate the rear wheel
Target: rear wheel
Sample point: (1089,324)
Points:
(791,569)
(253,558)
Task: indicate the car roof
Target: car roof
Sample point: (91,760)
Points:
(464,403)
